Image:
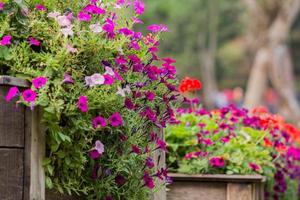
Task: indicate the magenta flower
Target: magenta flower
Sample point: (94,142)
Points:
(116,119)
(225,139)
(40,7)
(150,95)
(99,122)
(148,180)
(217,162)
(139,7)
(34,41)
(149,163)
(129,104)
(126,31)
(108,80)
(254,166)
(82,16)
(12,92)
(39,82)
(82,104)
(97,151)
(155,28)
(109,28)
(161,144)
(1,6)
(6,40)
(136,149)
(68,79)
(29,95)
(92,9)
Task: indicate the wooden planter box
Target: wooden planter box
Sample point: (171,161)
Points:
(22,149)
(216,187)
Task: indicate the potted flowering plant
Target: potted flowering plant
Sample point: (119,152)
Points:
(230,152)
(104,93)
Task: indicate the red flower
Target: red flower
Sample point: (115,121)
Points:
(189,85)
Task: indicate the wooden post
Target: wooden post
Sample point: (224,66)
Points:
(21,148)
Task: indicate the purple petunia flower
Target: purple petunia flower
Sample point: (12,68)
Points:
(34,42)
(120,180)
(150,95)
(84,17)
(99,122)
(129,104)
(254,166)
(29,95)
(39,82)
(161,144)
(125,31)
(93,9)
(82,104)
(40,7)
(12,92)
(155,28)
(136,149)
(116,119)
(6,40)
(149,163)
(109,28)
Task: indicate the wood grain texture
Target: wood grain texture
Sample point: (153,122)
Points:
(13,81)
(238,191)
(53,195)
(197,191)
(11,174)
(11,122)
(217,178)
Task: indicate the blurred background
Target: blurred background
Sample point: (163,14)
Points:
(245,52)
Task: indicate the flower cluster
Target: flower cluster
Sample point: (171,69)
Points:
(233,140)
(189,85)
(104,92)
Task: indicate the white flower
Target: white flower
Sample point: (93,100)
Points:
(89,82)
(67,31)
(96,28)
(98,79)
(109,71)
(54,14)
(63,21)
(122,91)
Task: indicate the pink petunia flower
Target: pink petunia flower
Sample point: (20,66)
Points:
(109,28)
(84,17)
(93,9)
(34,41)
(254,166)
(68,79)
(161,144)
(97,151)
(149,163)
(136,149)
(71,49)
(217,162)
(1,6)
(29,95)
(148,180)
(155,28)
(149,95)
(40,7)
(116,119)
(99,122)
(63,21)
(6,40)
(139,7)
(39,82)
(108,79)
(82,104)
(12,92)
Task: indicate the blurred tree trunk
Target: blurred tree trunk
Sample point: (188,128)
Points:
(207,54)
(272,59)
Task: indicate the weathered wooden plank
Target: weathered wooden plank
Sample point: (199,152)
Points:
(197,191)
(11,122)
(218,178)
(35,151)
(11,174)
(238,191)
(54,195)
(13,81)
